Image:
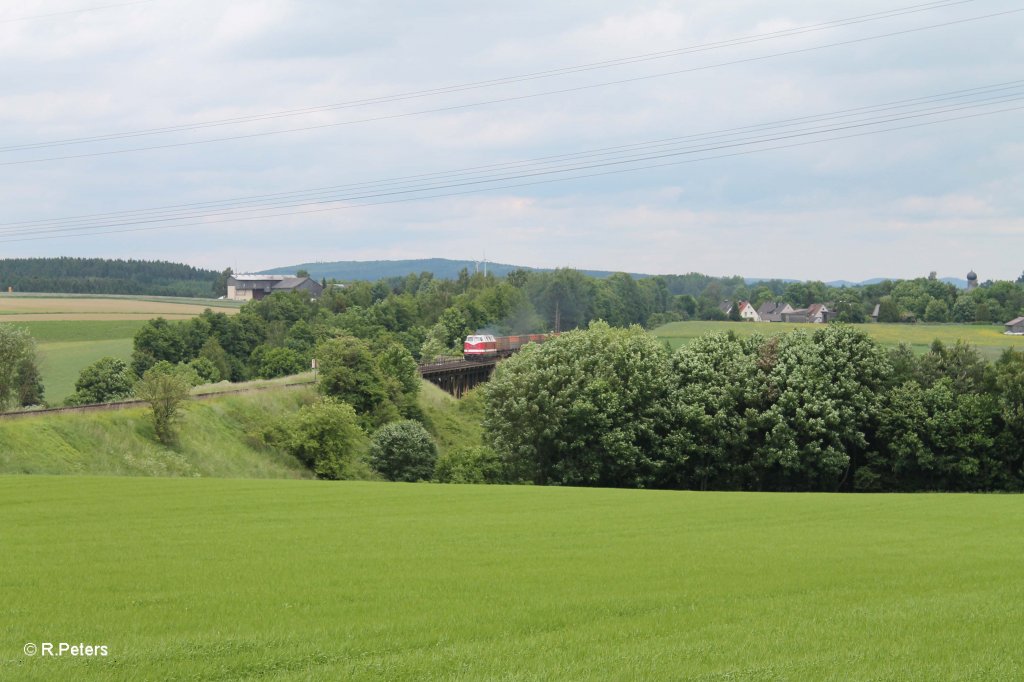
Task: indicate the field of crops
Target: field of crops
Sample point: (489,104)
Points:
(30,307)
(989,339)
(72,332)
(296,580)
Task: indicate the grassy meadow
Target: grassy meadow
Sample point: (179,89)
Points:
(989,339)
(73,332)
(299,580)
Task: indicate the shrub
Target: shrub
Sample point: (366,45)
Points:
(326,437)
(165,386)
(478,464)
(403,451)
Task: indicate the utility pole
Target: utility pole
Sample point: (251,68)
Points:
(558,317)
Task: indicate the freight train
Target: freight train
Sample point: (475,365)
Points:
(486,346)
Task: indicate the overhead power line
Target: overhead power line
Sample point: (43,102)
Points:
(993,100)
(501,81)
(74,11)
(970,96)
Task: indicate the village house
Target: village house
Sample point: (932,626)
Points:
(1015,326)
(747,311)
(772,311)
(256,287)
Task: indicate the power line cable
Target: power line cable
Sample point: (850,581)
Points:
(528,184)
(75,11)
(936,4)
(471,104)
(990,95)
(80,231)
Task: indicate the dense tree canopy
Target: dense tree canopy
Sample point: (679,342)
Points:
(824,411)
(587,408)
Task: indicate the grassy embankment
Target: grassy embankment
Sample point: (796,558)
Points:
(216,439)
(297,580)
(217,436)
(989,339)
(75,331)
(453,423)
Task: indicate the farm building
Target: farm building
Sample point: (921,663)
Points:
(255,287)
(1015,326)
(772,311)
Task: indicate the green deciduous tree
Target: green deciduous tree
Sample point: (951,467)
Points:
(19,376)
(165,387)
(349,373)
(931,438)
(271,362)
(587,408)
(104,380)
(714,396)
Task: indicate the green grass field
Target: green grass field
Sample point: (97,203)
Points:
(989,339)
(61,362)
(300,580)
(66,347)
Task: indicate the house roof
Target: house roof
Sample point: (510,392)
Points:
(772,308)
(260,278)
(1015,322)
(290,283)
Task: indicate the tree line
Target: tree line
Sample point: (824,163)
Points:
(105,276)
(828,411)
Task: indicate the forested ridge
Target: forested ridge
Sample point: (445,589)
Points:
(105,276)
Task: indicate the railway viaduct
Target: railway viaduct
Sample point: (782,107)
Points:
(456,375)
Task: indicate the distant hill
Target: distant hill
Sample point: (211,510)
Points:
(441,268)
(960,283)
(105,276)
(444,268)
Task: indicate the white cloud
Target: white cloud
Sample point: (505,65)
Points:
(902,203)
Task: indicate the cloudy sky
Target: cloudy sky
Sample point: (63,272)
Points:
(848,139)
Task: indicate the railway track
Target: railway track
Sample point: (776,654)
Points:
(454,374)
(128,404)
